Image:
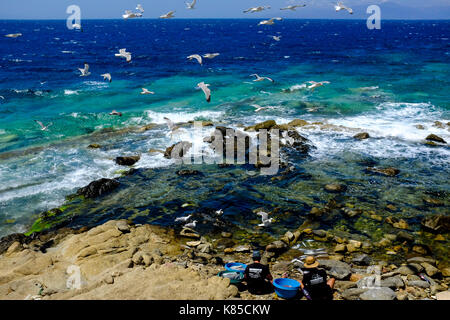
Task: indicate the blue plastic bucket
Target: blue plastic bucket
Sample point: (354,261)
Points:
(235,267)
(286,288)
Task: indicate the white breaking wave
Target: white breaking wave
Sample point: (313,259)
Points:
(158,117)
(70,92)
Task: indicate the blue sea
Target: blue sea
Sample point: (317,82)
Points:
(385,82)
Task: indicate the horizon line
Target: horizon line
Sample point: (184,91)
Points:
(236,18)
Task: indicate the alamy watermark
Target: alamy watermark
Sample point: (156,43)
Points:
(74,20)
(374,21)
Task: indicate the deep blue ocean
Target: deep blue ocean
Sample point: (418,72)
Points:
(385,82)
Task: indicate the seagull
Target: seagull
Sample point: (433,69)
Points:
(259,108)
(124,54)
(2,97)
(106,76)
(172,127)
(276,38)
(145,91)
(167,15)
(190,5)
(340,6)
(139,7)
(316,84)
(204,87)
(256,9)
(84,72)
(183,219)
(270,21)
(77,26)
(197,57)
(293,7)
(13,35)
(266,221)
(219,212)
(258,78)
(43,128)
(115,113)
(211,55)
(191,225)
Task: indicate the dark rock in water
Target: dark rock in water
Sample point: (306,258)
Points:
(433,137)
(390,172)
(298,123)
(276,246)
(433,202)
(335,187)
(127,161)
(298,142)
(361,136)
(382,293)
(362,260)
(338,269)
(438,223)
(419,126)
(268,124)
(404,236)
(94,146)
(187,172)
(178,150)
(8,240)
(98,187)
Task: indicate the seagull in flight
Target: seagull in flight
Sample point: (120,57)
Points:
(266,221)
(106,76)
(145,91)
(256,9)
(258,78)
(314,84)
(206,90)
(340,6)
(115,113)
(84,72)
(211,55)
(13,35)
(183,219)
(270,21)
(259,108)
(129,14)
(124,54)
(172,127)
(167,15)
(43,128)
(219,212)
(293,7)
(140,8)
(190,5)
(276,38)
(196,57)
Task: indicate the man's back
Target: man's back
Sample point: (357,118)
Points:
(255,276)
(315,282)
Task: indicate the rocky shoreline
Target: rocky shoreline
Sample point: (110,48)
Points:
(405,258)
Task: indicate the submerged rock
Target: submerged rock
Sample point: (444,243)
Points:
(98,187)
(361,136)
(187,172)
(438,223)
(94,146)
(390,172)
(127,161)
(335,187)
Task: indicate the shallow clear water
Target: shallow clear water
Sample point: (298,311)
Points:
(382,81)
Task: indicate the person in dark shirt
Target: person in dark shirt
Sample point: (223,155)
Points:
(315,281)
(258,277)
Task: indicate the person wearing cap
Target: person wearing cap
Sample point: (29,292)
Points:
(315,281)
(258,277)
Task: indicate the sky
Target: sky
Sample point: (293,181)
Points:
(315,9)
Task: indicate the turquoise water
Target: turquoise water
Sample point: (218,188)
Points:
(383,81)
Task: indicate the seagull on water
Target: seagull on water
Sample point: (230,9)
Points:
(276,38)
(106,76)
(43,128)
(270,21)
(211,55)
(115,113)
(340,6)
(316,84)
(124,54)
(293,7)
(191,224)
(183,219)
(266,221)
(190,5)
(206,90)
(259,108)
(258,78)
(145,91)
(256,9)
(84,72)
(197,57)
(13,35)
(167,15)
